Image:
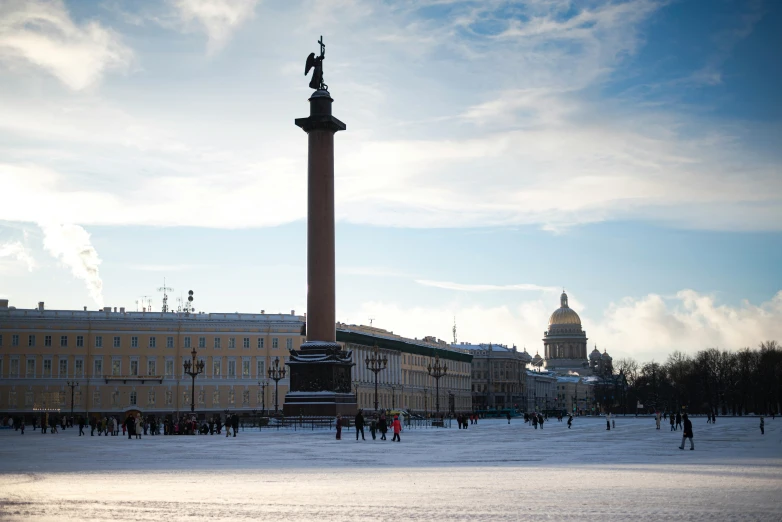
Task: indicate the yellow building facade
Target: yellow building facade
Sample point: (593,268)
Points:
(128,361)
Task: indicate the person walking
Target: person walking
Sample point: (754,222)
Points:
(673,422)
(569,421)
(373,428)
(657,419)
(508,415)
(687,432)
(359,425)
(383,426)
(397,429)
(81,425)
(762,426)
(137,422)
(339,427)
(235,424)
(535,420)
(21,425)
(92,426)
(130,426)
(540,420)
(608,421)
(678,421)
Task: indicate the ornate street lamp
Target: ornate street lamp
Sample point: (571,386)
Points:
(393,397)
(193,368)
(437,370)
(72,385)
(276,373)
(263,384)
(376,364)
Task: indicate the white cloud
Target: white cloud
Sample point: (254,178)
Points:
(42,33)
(649,327)
(218,18)
(71,245)
(19,252)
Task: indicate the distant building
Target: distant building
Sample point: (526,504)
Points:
(499,376)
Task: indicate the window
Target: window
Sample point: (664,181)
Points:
(98,341)
(169,367)
(115,399)
(201,397)
(134,342)
(216,364)
(169,342)
(151,397)
(47,340)
(116,342)
(275,343)
(246,342)
(79,340)
(12,399)
(14,340)
(30,340)
(187,342)
(261,367)
(186,398)
(202,342)
(29,399)
(96,398)
(61,398)
(78,368)
(116,366)
(98,368)
(260,343)
(47,368)
(153,342)
(217,343)
(77,397)
(134,367)
(289,344)
(169,397)
(232,342)
(216,397)
(63,340)
(231,396)
(245,369)
(151,367)
(63,368)
(231,368)
(132,398)
(246,398)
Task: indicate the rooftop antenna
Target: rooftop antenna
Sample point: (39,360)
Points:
(165,289)
(454,330)
(146,302)
(371,319)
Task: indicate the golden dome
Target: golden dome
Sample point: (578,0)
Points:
(564,314)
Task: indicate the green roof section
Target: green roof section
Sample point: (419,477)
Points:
(349,336)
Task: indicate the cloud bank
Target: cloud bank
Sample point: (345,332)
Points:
(71,245)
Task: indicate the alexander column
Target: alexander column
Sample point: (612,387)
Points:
(320,371)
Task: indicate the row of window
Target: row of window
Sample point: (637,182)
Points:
(52,399)
(135,368)
(152,341)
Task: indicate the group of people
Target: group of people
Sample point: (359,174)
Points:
(375,425)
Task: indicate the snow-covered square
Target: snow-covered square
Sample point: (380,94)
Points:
(491,471)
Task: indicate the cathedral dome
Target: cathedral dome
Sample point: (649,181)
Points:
(595,355)
(564,314)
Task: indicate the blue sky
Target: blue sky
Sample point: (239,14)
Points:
(628,151)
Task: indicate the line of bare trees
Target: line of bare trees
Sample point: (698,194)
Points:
(712,381)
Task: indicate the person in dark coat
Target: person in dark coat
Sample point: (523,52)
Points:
(130,425)
(235,424)
(360,425)
(678,421)
(339,427)
(508,416)
(383,427)
(540,420)
(569,421)
(762,426)
(687,432)
(93,423)
(373,428)
(81,425)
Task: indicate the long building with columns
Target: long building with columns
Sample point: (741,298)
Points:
(134,362)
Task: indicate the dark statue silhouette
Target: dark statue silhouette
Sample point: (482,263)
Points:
(316,63)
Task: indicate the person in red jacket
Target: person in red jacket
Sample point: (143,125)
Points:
(397,428)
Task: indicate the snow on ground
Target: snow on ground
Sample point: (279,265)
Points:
(492,471)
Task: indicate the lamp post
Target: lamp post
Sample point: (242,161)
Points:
(437,371)
(426,400)
(375,364)
(355,390)
(72,385)
(263,384)
(393,397)
(276,373)
(193,368)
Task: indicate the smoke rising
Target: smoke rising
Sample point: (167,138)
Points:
(16,250)
(71,245)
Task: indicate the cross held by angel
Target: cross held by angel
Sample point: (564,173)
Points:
(316,63)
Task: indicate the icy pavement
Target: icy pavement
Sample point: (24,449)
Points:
(492,471)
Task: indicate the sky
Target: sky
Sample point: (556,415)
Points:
(496,152)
